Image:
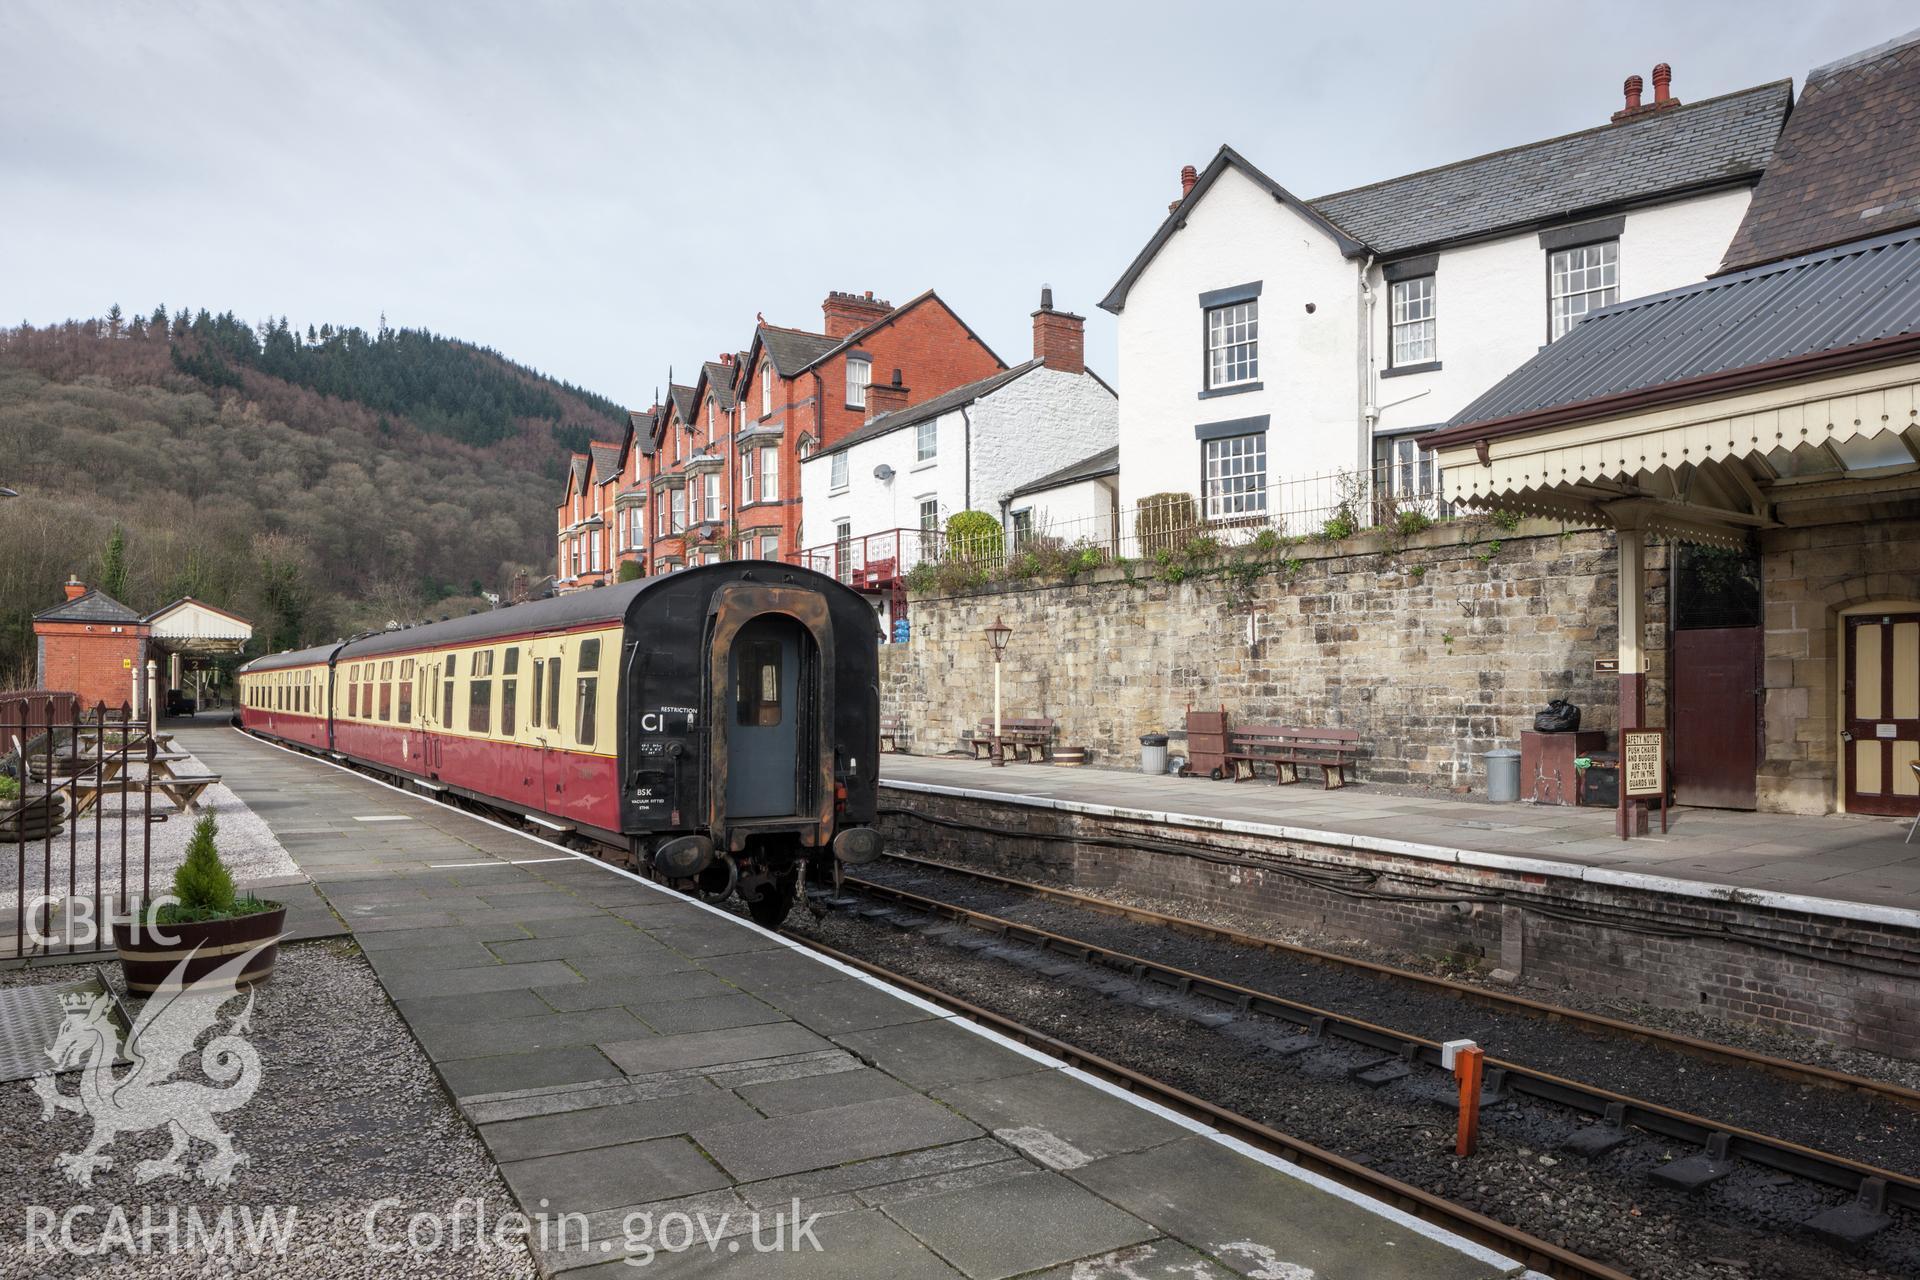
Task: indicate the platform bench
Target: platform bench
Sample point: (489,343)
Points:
(1288,749)
(1032,739)
(893,731)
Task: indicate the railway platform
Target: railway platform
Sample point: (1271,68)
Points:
(691,1088)
(1854,867)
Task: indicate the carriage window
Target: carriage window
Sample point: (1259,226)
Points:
(583,709)
(553,693)
(757,692)
(590,654)
(479,705)
(386,690)
(406,691)
(446,691)
(539,675)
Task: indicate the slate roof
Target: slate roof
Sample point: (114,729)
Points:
(606,460)
(720,377)
(682,400)
(944,403)
(1852,299)
(1104,463)
(1713,142)
(95,606)
(794,349)
(1848,164)
(577,472)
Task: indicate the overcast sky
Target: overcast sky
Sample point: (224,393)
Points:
(601,190)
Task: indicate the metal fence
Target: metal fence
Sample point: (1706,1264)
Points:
(870,561)
(76,821)
(1405,496)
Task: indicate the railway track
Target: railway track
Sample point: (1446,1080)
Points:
(1542,1256)
(1875,1189)
(1796,1072)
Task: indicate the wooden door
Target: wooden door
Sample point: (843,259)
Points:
(1880,709)
(1715,714)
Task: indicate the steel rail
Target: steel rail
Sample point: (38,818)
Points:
(1773,1153)
(1797,1072)
(1541,1255)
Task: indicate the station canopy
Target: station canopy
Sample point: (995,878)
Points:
(193,629)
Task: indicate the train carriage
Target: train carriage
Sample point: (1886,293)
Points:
(287,695)
(721,724)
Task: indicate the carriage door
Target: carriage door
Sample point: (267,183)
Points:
(763,731)
(1881,730)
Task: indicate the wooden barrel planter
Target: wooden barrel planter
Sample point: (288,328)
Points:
(1070,757)
(147,960)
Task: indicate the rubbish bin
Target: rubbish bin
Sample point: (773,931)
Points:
(1153,753)
(1503,776)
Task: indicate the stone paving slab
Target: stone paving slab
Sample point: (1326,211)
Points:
(1060,1222)
(767,1147)
(1256,1221)
(629,1055)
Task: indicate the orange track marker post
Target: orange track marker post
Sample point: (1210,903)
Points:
(1467,1066)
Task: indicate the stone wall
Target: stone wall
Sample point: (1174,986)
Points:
(1435,647)
(1809,578)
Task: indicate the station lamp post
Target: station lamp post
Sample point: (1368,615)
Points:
(997,635)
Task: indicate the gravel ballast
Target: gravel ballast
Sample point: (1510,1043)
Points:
(348,1114)
(1857,1125)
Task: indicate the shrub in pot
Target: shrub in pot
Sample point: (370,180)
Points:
(206,913)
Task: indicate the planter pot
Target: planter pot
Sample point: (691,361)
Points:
(147,960)
(35,821)
(1069,757)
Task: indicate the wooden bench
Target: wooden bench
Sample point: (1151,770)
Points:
(893,730)
(1288,749)
(1032,739)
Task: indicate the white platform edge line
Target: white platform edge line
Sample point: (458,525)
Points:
(1708,891)
(1380,1208)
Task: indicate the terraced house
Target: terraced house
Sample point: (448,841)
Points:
(712,471)
(1268,343)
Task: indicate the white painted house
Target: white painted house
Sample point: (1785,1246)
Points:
(878,499)
(1268,342)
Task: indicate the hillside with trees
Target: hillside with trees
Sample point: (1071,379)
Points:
(318,482)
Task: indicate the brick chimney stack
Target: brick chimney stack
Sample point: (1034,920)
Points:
(1662,95)
(843,313)
(74,587)
(1059,337)
(885,397)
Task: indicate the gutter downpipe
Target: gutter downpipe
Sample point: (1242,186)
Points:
(966,454)
(1369,412)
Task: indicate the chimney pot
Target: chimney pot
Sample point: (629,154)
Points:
(1046,298)
(1188,176)
(74,587)
(1662,83)
(843,313)
(1633,88)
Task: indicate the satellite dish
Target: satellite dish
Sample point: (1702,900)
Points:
(883,473)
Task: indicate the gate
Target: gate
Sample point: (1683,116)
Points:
(76,822)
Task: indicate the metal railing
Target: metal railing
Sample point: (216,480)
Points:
(1336,504)
(76,824)
(874,560)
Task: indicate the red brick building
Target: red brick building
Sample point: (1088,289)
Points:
(713,471)
(91,645)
